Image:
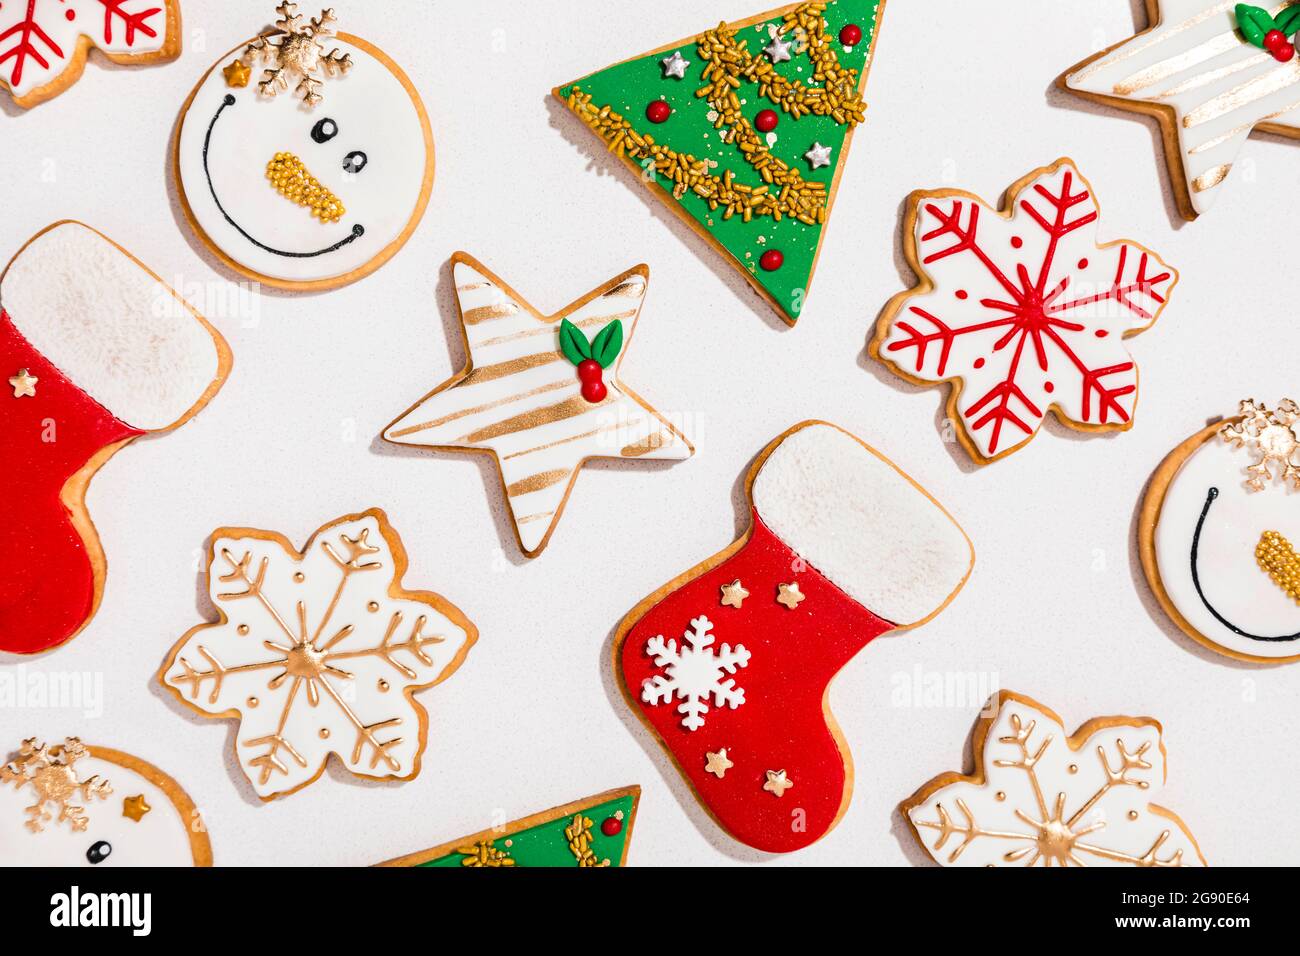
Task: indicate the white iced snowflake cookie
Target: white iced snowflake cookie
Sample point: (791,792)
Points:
(305,157)
(318,653)
(541,393)
(1022,311)
(1199,72)
(1040,797)
(71,804)
(1217,533)
(44,43)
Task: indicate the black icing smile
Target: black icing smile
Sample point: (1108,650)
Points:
(1196,580)
(357,231)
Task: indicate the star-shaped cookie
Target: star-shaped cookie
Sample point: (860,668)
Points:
(1210,87)
(541,393)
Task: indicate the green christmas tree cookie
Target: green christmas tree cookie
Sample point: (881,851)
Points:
(591,832)
(743,131)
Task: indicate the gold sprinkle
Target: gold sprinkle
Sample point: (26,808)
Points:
(242,630)
(292,181)
(253,702)
(324,733)
(1277,558)
(372,607)
(300,577)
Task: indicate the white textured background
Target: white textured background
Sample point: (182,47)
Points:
(960,95)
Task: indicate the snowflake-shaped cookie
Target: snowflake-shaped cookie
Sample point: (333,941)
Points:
(693,673)
(44,43)
(1022,311)
(50,773)
(1039,796)
(1269,435)
(318,652)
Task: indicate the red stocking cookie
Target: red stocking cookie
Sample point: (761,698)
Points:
(729,663)
(96,351)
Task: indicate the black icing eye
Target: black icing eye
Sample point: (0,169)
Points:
(324,131)
(355,161)
(99,852)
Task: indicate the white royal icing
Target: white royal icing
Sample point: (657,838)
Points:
(862,523)
(1090,806)
(109,326)
(41,36)
(532,415)
(1028,313)
(371,649)
(1219,85)
(375,115)
(160,838)
(1231,580)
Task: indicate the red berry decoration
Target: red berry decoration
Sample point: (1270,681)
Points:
(1273,39)
(851,34)
(591,358)
(612,826)
(658,111)
(772,260)
(593,388)
(765,121)
(1284,53)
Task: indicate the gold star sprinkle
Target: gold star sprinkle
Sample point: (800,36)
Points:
(717,763)
(24,383)
(135,807)
(777,783)
(789,595)
(733,594)
(237,74)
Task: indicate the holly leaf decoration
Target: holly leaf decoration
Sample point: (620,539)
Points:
(573,343)
(608,344)
(1288,21)
(1256,23)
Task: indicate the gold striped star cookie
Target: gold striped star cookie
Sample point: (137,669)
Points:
(541,393)
(1211,73)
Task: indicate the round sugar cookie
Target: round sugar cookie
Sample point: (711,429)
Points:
(72,804)
(305,157)
(1216,534)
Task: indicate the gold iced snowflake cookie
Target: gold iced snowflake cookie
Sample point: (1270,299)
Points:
(318,653)
(1038,796)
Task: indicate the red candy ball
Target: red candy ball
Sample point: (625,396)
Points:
(1274,39)
(765,121)
(851,34)
(658,111)
(589,370)
(1284,53)
(612,826)
(772,260)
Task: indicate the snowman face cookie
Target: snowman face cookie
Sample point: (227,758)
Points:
(1217,532)
(71,804)
(305,175)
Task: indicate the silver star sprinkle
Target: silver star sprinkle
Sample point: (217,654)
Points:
(818,156)
(675,65)
(778,50)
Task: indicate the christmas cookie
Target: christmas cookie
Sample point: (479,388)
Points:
(1211,72)
(97,351)
(541,393)
(728,664)
(305,157)
(318,652)
(743,131)
(1022,311)
(1039,797)
(1216,533)
(594,832)
(44,43)
(72,804)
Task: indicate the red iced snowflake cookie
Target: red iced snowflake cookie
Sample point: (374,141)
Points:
(97,352)
(728,664)
(43,43)
(1022,311)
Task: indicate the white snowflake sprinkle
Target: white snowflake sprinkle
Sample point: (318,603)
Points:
(694,673)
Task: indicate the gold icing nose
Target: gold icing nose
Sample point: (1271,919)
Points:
(292,180)
(1279,561)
